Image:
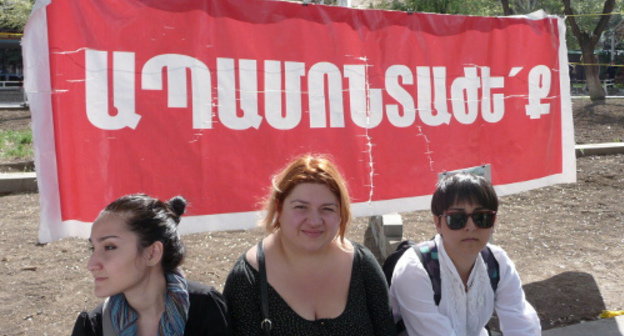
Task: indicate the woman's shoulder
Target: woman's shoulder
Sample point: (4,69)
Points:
(204,296)
(499,253)
(208,310)
(361,251)
(202,290)
(506,266)
(242,274)
(363,258)
(409,262)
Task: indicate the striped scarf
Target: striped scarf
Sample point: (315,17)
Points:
(173,319)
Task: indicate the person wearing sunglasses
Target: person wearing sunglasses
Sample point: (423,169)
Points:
(464,208)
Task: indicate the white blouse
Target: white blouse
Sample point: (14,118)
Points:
(461,312)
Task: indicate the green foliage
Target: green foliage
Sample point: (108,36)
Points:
(529,6)
(472,7)
(494,7)
(585,15)
(14,14)
(16,144)
(584,8)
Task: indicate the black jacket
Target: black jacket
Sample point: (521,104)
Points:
(207,315)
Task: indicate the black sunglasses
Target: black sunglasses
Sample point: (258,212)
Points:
(482,218)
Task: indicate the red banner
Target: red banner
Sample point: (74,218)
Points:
(209,98)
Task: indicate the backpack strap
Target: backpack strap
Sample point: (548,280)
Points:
(427,252)
(393,259)
(492,267)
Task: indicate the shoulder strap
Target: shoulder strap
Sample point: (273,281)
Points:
(492,266)
(427,252)
(266,325)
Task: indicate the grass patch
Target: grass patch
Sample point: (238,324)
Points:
(16,145)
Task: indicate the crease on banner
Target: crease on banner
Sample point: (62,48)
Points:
(428,152)
(369,159)
(71,51)
(369,139)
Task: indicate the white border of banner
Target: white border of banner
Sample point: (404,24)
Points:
(38,88)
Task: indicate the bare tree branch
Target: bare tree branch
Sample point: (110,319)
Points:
(604,20)
(576,30)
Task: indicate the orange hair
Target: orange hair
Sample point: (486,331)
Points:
(308,168)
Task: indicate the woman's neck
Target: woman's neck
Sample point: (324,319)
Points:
(463,263)
(147,298)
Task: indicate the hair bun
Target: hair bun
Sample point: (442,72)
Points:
(178,205)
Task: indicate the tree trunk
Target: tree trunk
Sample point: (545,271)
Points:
(588,40)
(506,8)
(592,78)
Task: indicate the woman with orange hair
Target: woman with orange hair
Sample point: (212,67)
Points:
(304,277)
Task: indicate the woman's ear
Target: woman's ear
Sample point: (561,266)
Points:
(153,254)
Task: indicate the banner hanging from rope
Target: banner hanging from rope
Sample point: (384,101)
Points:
(209,98)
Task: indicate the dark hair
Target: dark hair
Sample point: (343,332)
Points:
(463,187)
(153,220)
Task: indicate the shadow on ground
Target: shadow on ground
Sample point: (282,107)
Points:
(565,299)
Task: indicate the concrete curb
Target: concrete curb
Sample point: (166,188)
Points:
(18,182)
(13,106)
(26,181)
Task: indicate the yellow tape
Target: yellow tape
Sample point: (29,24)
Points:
(596,14)
(11,35)
(611,313)
(600,64)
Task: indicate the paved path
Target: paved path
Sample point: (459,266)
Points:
(605,327)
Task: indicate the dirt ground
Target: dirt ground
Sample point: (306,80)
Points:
(566,241)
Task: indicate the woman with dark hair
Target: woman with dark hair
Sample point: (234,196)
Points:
(474,278)
(304,278)
(136,252)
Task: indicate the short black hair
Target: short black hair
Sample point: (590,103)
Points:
(463,187)
(154,220)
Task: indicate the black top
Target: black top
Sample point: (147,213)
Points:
(207,315)
(367,311)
